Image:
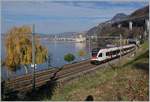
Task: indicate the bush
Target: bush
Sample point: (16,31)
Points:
(81,53)
(69,57)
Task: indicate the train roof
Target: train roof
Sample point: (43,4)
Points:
(103,48)
(99,48)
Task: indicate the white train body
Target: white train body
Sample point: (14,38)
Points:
(102,55)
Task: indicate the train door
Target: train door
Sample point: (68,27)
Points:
(111,54)
(101,56)
(108,55)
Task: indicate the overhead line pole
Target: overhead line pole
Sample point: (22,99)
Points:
(120,48)
(33,55)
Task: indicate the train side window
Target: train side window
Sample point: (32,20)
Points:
(107,53)
(100,55)
(114,52)
(118,51)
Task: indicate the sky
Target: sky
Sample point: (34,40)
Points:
(51,17)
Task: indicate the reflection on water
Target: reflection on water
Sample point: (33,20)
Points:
(56,50)
(80,45)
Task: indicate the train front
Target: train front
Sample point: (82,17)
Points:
(94,58)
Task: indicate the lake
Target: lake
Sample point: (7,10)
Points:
(56,50)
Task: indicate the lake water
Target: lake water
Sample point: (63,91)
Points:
(57,50)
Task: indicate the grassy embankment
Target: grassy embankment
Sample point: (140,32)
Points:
(127,82)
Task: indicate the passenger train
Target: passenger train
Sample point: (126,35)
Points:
(106,54)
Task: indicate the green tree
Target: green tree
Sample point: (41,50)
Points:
(18,45)
(69,57)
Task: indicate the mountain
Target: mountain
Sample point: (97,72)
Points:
(91,31)
(102,27)
(118,17)
(106,28)
(66,34)
(140,12)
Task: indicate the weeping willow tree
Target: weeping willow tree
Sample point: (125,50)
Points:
(18,45)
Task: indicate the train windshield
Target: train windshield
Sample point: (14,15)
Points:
(95,51)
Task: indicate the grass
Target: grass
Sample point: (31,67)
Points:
(141,56)
(129,82)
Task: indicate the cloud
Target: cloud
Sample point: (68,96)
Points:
(62,16)
(103,4)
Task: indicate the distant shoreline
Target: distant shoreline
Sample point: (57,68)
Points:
(63,41)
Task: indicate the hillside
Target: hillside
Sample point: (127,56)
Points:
(140,12)
(128,82)
(107,29)
(118,17)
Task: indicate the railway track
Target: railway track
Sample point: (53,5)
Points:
(24,83)
(40,73)
(61,75)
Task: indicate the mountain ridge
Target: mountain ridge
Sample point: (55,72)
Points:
(106,27)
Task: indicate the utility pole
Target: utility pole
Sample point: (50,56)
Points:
(33,55)
(89,44)
(96,36)
(120,48)
(49,60)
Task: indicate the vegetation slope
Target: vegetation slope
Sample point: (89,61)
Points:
(126,82)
